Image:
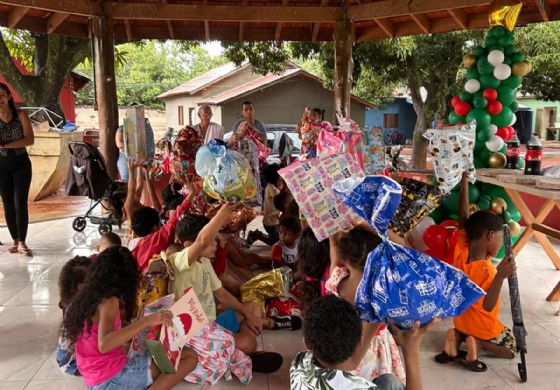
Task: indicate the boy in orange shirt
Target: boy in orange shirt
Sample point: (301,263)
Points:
(479,239)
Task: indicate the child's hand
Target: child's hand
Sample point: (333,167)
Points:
(410,340)
(254,323)
(194,187)
(161,317)
(506,267)
(133,164)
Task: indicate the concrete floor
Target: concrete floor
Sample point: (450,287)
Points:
(30,318)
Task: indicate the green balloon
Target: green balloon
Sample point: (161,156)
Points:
(503,118)
(485,154)
(517,57)
(520,163)
(498,31)
(507,61)
(508,33)
(451,203)
(479,101)
(503,150)
(514,107)
(490,40)
(482,136)
(478,163)
(515,215)
(481,116)
(506,95)
(513,81)
(504,40)
(484,204)
(489,81)
(479,51)
(472,73)
(474,193)
(501,252)
(495,46)
(484,67)
(437,215)
(509,50)
(453,118)
(454,217)
(466,96)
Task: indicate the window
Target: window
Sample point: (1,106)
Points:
(191,112)
(391,121)
(181,117)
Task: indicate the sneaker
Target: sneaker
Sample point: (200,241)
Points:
(286,322)
(266,362)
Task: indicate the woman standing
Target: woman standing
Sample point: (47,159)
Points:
(16,134)
(208,130)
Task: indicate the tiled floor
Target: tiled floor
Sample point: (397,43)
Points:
(29,321)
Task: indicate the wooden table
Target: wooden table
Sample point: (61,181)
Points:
(535,226)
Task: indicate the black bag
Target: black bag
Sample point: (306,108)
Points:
(87,174)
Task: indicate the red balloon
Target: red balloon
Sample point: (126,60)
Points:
(449,223)
(490,94)
(449,125)
(455,100)
(435,237)
(462,108)
(505,133)
(438,253)
(494,107)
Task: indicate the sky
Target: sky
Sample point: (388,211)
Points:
(214,48)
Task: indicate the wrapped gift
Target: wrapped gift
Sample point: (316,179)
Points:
(246,132)
(134,133)
(240,217)
(185,147)
(400,284)
(249,149)
(311,182)
(275,283)
(227,174)
(374,151)
(347,139)
(452,150)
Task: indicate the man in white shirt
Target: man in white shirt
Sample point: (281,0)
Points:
(208,130)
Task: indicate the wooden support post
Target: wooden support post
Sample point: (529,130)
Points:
(343,65)
(106,89)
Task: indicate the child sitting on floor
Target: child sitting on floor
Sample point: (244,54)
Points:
(315,262)
(480,238)
(331,333)
(108,240)
(377,353)
(94,325)
(284,252)
(70,281)
(193,269)
(271,213)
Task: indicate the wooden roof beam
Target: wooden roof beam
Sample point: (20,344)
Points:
(242,25)
(392,8)
(169,23)
(200,12)
(544,9)
(423,22)
(317,26)
(206,24)
(279,26)
(128,29)
(55,21)
(75,7)
(16,15)
(386,26)
(460,17)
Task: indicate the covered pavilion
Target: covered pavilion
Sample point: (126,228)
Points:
(342,21)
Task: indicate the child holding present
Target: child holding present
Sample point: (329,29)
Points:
(480,238)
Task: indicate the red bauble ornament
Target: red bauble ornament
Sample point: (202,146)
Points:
(494,107)
(505,132)
(455,100)
(490,94)
(462,108)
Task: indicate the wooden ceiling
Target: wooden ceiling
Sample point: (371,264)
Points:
(268,20)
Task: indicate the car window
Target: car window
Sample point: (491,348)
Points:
(295,141)
(270,140)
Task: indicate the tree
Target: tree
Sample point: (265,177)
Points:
(48,58)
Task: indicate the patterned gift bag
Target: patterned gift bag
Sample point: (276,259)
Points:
(374,151)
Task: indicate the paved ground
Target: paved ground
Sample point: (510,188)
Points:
(29,322)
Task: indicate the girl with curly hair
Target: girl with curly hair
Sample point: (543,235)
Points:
(94,324)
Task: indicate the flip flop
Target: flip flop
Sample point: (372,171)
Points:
(13,249)
(474,365)
(25,251)
(444,358)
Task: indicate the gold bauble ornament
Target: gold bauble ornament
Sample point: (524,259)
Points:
(514,228)
(505,13)
(520,69)
(473,208)
(497,160)
(498,205)
(529,65)
(469,61)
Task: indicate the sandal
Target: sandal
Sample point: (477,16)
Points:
(444,358)
(25,251)
(474,365)
(13,249)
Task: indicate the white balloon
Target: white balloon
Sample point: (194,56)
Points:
(495,143)
(513,120)
(472,86)
(502,71)
(493,129)
(496,57)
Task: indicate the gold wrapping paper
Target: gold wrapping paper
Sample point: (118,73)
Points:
(505,13)
(275,283)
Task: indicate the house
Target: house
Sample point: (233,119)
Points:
(67,95)
(544,118)
(278,98)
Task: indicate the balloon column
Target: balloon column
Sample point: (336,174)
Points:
(494,72)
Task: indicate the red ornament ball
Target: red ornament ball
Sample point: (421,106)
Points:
(490,94)
(494,107)
(455,100)
(462,108)
(505,132)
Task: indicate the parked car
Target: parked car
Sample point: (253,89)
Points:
(274,135)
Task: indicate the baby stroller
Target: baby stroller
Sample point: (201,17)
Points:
(87,176)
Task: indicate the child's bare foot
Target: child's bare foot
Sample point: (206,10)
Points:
(450,347)
(471,362)
(24,250)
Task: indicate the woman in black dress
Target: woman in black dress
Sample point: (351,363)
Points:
(16,134)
